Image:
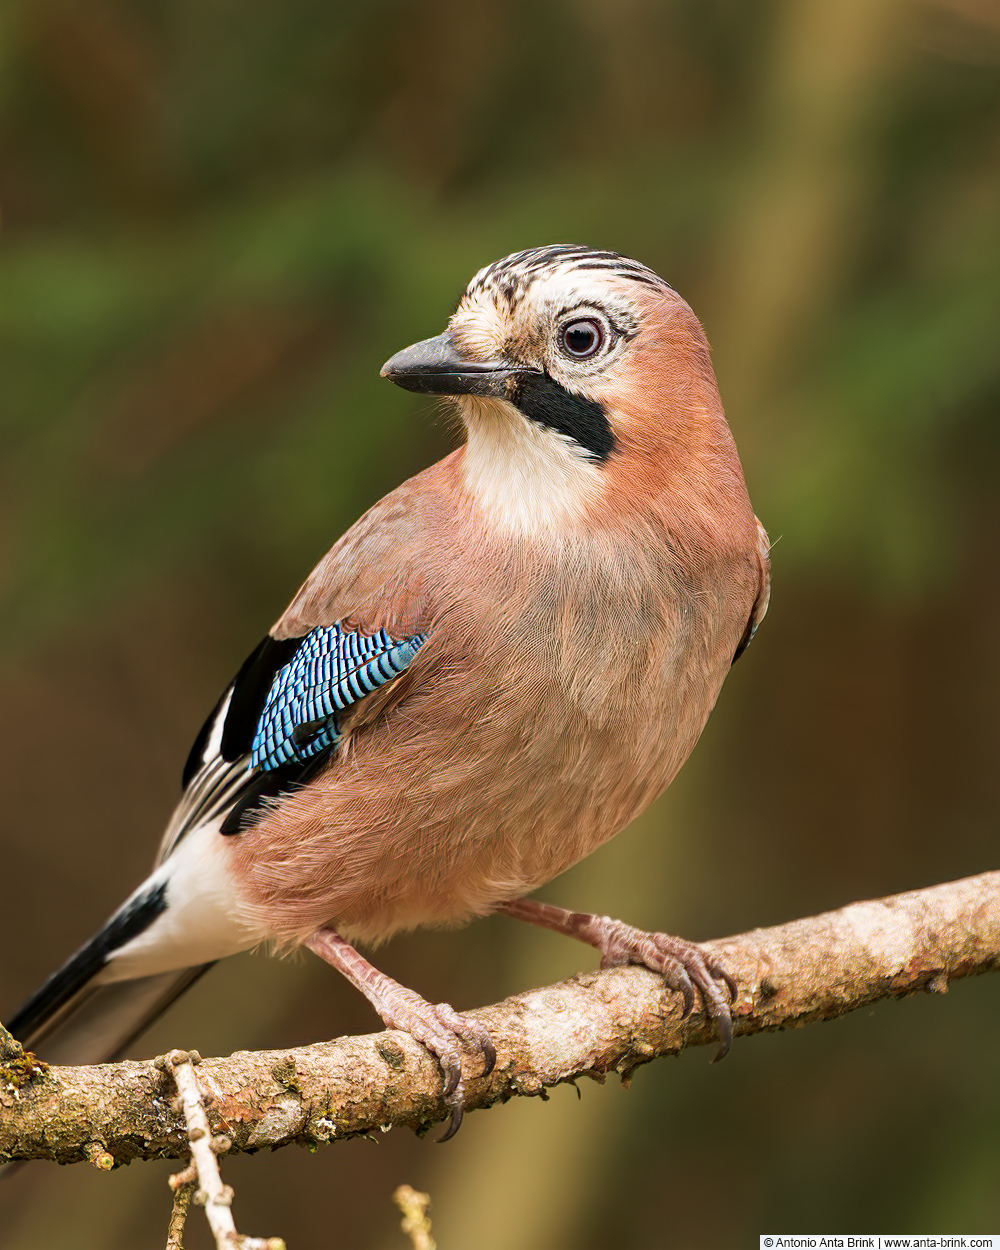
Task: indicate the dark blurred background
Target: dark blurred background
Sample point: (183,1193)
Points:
(219,218)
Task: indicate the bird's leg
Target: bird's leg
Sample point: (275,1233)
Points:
(436,1025)
(683,965)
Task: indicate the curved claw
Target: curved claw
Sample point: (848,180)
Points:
(724,1027)
(677,978)
(454,1124)
(717,1003)
(717,1009)
(710,980)
(489,1057)
(722,975)
(452,1072)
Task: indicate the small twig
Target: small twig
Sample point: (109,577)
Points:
(183,1193)
(416,1222)
(99,1157)
(216,1197)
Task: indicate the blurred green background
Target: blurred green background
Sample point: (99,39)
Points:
(219,218)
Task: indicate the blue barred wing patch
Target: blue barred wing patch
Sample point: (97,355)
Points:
(332,669)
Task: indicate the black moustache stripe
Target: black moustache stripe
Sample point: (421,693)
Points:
(544,401)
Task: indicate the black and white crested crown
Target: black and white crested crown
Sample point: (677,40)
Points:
(511,277)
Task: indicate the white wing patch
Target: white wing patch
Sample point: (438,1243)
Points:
(213,789)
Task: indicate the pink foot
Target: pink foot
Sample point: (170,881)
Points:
(683,965)
(440,1028)
(437,1026)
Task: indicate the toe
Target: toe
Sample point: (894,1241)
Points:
(717,1009)
(685,966)
(722,975)
(716,1000)
(676,975)
(451,1070)
(441,1029)
(472,1034)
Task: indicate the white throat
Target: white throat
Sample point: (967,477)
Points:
(528,480)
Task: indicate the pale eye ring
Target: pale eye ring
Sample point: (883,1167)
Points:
(582,338)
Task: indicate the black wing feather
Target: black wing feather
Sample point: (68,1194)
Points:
(250,689)
(223,784)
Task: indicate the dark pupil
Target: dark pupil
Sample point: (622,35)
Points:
(582,338)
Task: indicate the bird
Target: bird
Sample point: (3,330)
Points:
(492,672)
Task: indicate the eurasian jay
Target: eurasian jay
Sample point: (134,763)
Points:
(492,672)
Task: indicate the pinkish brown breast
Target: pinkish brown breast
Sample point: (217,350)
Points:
(563,685)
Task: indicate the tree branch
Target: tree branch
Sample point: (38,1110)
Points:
(596,1023)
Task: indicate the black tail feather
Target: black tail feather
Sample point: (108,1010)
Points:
(43,1010)
(82,1020)
(100,1022)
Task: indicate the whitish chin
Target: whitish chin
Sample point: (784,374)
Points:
(527,479)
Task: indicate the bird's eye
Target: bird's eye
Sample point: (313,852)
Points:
(581,339)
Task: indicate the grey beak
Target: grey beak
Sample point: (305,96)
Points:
(436,367)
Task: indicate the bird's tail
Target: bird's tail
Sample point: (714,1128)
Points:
(97,1023)
(79,1017)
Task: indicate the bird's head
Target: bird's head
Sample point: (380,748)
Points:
(583,380)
